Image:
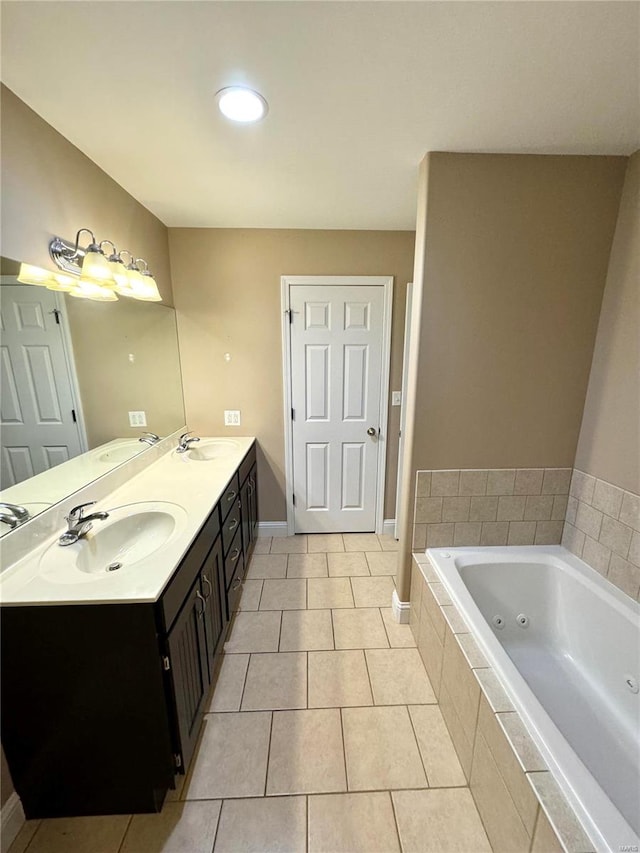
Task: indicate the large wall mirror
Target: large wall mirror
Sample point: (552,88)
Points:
(75,375)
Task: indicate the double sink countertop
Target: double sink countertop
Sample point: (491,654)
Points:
(130,557)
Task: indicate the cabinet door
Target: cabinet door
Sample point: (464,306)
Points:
(253,502)
(210,588)
(189,670)
(245,501)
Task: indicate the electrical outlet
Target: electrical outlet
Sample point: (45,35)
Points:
(396,398)
(232,417)
(137,419)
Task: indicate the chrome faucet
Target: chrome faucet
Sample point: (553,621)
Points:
(184,442)
(80,524)
(13,515)
(149,438)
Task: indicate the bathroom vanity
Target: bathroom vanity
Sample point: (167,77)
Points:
(106,672)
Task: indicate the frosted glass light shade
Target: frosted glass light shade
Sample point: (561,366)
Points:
(119,274)
(64,283)
(149,291)
(35,275)
(95,267)
(92,290)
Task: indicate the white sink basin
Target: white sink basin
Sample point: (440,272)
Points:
(212,449)
(123,542)
(120,454)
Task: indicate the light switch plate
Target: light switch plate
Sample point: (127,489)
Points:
(137,419)
(232,417)
(396,398)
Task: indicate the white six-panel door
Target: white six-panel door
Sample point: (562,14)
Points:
(336,352)
(36,403)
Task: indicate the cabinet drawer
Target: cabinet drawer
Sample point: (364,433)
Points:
(233,559)
(247,464)
(229,497)
(231,526)
(182,580)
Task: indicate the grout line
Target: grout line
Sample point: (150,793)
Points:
(344,752)
(366,666)
(279,632)
(333,630)
(415,737)
(266,772)
(307,840)
(320,794)
(218,822)
(395,820)
(260,596)
(122,840)
(329,707)
(386,632)
(244,682)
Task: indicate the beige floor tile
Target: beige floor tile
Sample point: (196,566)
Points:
(382,562)
(254,632)
(179,827)
(251,592)
(443,820)
(24,836)
(436,747)
(267,566)
(398,677)
(102,834)
(263,545)
(289,544)
(274,824)
(347,564)
(324,542)
(352,823)
(284,594)
(304,630)
(361,542)
(388,543)
(276,681)
(400,636)
(381,749)
(338,679)
(372,592)
(228,690)
(307,566)
(359,629)
(231,759)
(306,753)
(329,592)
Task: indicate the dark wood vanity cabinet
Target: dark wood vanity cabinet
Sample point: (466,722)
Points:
(103,703)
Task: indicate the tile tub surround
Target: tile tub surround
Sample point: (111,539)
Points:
(498,506)
(602,527)
(518,800)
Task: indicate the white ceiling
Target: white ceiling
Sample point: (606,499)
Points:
(358,92)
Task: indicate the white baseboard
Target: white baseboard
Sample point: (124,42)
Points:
(400,609)
(279,528)
(272,528)
(11,820)
(389,527)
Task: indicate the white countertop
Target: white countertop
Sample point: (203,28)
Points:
(194,486)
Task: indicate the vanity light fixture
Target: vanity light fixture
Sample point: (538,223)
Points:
(241,104)
(89,273)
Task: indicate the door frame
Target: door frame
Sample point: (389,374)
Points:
(385,281)
(403,410)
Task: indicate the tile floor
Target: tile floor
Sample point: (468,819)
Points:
(322,734)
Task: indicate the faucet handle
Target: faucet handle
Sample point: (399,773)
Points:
(185,435)
(75,514)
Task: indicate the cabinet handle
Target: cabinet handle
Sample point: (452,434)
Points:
(250,487)
(231,496)
(208,583)
(233,524)
(237,582)
(235,551)
(204,606)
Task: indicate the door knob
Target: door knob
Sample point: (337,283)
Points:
(371,431)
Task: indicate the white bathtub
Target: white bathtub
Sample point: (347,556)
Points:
(572,672)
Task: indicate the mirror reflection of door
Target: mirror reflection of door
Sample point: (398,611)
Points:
(37,401)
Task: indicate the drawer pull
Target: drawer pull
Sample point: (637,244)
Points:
(231,496)
(200,612)
(208,583)
(237,582)
(235,552)
(233,524)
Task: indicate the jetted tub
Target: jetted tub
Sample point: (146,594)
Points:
(565,644)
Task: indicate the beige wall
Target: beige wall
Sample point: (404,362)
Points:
(126,356)
(517,248)
(227,291)
(609,445)
(51,188)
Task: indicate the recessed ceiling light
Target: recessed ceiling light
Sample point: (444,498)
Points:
(240,104)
